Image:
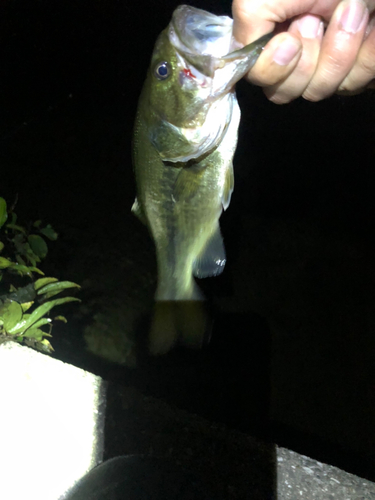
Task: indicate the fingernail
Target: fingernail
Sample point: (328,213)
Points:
(286,51)
(353,15)
(309,26)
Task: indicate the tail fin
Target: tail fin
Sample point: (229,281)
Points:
(184,322)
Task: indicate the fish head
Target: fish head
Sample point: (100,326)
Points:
(194,67)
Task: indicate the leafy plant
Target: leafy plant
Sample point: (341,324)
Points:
(23,310)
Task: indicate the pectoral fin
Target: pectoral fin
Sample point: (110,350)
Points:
(138,211)
(188,183)
(212,259)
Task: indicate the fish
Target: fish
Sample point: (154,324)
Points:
(185,136)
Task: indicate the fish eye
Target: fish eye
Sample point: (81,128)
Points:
(162,70)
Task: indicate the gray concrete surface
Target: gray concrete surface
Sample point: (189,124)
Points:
(300,477)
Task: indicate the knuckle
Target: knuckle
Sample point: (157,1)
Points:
(278,97)
(319,87)
(322,85)
(311,95)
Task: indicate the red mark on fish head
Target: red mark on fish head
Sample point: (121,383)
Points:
(188,73)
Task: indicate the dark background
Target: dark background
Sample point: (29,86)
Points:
(292,352)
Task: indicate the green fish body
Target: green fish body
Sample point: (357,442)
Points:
(184,140)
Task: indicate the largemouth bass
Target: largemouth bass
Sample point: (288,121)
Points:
(184,140)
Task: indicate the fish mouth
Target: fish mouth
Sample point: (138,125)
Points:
(206,43)
(201,32)
(201,38)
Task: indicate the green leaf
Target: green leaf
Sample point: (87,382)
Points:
(21,270)
(26,306)
(11,314)
(60,318)
(20,260)
(25,249)
(19,243)
(13,218)
(4,263)
(38,245)
(49,232)
(39,313)
(35,333)
(55,288)
(1,246)
(45,346)
(37,223)
(16,228)
(32,258)
(42,322)
(43,281)
(3,212)
(36,270)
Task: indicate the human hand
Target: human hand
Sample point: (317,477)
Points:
(304,58)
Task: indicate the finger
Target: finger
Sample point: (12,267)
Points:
(310,31)
(339,49)
(251,20)
(254,18)
(363,71)
(277,61)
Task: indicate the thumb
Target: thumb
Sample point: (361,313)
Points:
(277,61)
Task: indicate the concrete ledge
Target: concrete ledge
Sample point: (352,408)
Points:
(52,421)
(232,465)
(51,434)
